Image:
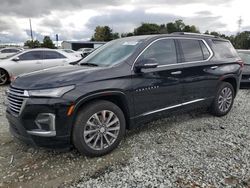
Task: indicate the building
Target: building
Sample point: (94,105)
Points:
(75,45)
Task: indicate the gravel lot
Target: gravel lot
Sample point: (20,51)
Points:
(190,150)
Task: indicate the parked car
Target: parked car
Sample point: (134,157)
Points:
(245,55)
(32,60)
(72,52)
(5,52)
(85,51)
(120,86)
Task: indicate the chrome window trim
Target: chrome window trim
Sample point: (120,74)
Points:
(170,107)
(182,63)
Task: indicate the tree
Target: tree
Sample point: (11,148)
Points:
(47,42)
(179,24)
(171,27)
(147,29)
(103,33)
(32,43)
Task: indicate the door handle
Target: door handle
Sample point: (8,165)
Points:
(214,67)
(38,62)
(176,73)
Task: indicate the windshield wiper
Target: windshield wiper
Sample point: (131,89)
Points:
(89,64)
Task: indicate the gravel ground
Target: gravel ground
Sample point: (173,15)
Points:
(190,150)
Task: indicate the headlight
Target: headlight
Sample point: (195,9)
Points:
(54,92)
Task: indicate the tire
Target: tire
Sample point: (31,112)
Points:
(223,100)
(94,135)
(4,77)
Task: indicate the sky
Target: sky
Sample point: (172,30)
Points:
(77,19)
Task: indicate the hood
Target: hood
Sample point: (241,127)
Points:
(54,77)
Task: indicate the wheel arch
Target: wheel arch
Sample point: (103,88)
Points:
(233,81)
(116,97)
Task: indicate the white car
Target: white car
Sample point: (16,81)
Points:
(5,52)
(33,60)
(72,52)
(85,51)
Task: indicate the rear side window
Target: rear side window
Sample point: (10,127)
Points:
(224,49)
(191,50)
(53,55)
(35,55)
(205,51)
(163,51)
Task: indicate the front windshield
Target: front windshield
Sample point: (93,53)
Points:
(10,56)
(112,53)
(245,57)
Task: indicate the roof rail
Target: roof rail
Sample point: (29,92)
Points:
(198,34)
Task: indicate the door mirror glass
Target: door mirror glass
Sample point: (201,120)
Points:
(16,59)
(149,63)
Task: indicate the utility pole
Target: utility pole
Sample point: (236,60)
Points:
(239,24)
(31,32)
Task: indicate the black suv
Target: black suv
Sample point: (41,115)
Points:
(122,85)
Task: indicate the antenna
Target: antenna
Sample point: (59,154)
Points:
(31,32)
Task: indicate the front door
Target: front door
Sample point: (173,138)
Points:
(28,62)
(158,89)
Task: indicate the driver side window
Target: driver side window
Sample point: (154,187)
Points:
(163,51)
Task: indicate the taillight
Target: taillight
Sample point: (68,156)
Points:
(241,63)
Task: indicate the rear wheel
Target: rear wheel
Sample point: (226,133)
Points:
(224,100)
(4,77)
(99,128)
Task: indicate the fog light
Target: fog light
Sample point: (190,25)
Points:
(45,125)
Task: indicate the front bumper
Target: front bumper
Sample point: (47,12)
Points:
(26,128)
(245,81)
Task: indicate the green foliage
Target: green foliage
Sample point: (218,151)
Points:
(152,28)
(147,29)
(32,44)
(47,42)
(104,33)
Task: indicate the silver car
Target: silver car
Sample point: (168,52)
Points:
(32,60)
(6,52)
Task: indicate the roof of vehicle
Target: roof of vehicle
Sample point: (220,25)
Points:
(178,34)
(242,50)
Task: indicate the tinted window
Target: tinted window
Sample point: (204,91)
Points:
(9,51)
(245,57)
(35,55)
(53,55)
(224,49)
(162,50)
(205,50)
(191,50)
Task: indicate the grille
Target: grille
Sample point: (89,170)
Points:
(245,77)
(15,99)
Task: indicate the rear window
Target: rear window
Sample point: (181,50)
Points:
(192,50)
(224,49)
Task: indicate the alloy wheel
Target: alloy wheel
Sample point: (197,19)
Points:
(101,130)
(3,77)
(225,99)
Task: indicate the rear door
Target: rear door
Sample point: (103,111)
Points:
(196,77)
(53,59)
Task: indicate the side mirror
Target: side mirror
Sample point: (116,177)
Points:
(16,59)
(149,63)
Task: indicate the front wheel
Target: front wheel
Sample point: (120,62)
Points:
(224,100)
(99,128)
(4,77)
